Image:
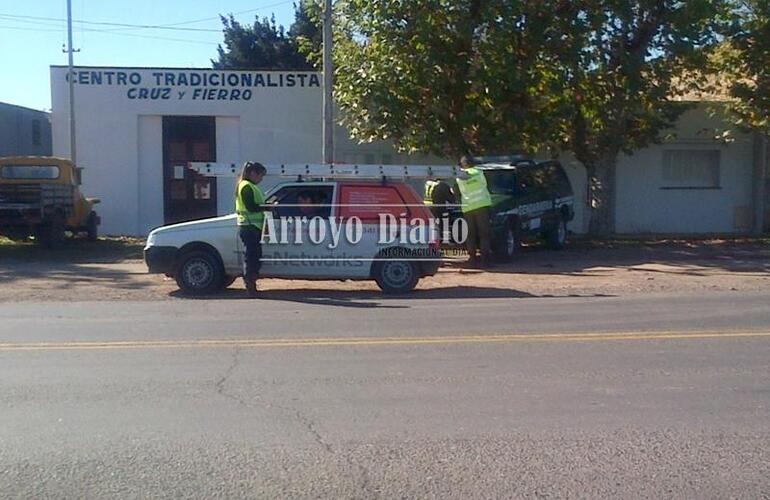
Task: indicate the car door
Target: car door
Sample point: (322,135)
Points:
(298,237)
(533,204)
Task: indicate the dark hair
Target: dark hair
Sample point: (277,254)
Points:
(252,167)
(306,194)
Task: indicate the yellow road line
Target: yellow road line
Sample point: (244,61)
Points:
(372,341)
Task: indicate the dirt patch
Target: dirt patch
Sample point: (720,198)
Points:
(111,269)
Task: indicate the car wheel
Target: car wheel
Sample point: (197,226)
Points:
(557,237)
(199,273)
(508,245)
(92,228)
(396,276)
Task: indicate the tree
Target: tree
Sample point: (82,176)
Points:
(263,45)
(307,31)
(595,77)
(450,77)
(631,61)
(746,63)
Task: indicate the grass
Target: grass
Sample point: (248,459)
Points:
(113,249)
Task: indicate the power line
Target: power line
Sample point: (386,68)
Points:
(108,32)
(170,26)
(234,13)
(19,28)
(103,23)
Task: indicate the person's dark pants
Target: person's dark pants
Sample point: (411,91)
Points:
(478,233)
(251,237)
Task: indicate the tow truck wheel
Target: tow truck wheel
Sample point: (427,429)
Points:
(557,237)
(92,227)
(198,273)
(509,243)
(51,234)
(396,276)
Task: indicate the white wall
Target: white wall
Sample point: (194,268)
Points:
(120,139)
(150,174)
(228,130)
(643,207)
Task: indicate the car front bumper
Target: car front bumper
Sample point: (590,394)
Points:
(160,259)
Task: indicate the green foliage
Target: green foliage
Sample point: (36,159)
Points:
(450,77)
(631,61)
(307,30)
(745,61)
(263,45)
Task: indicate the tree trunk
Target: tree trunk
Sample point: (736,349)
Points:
(602,195)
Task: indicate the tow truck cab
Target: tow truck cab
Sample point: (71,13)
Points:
(530,200)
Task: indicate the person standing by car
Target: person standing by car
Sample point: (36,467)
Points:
(475,200)
(250,208)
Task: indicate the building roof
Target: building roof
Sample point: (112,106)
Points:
(16,106)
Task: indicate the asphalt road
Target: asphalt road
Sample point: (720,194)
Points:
(354,396)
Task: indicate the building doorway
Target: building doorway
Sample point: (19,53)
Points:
(188,195)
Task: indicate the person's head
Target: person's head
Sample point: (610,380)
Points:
(465,162)
(306,202)
(305,198)
(253,171)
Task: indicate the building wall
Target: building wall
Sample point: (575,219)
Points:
(24,131)
(119,135)
(120,145)
(646,202)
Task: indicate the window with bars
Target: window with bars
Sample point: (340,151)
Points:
(691,169)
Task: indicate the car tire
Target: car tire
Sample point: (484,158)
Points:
(557,237)
(396,276)
(92,227)
(509,243)
(199,273)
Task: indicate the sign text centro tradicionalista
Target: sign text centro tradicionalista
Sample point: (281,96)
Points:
(193,84)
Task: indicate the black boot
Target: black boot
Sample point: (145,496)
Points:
(251,287)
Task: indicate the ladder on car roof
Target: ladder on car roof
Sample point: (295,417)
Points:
(334,170)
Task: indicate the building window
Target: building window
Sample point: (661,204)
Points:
(691,169)
(37,135)
(387,159)
(369,159)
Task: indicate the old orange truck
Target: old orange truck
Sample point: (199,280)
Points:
(40,196)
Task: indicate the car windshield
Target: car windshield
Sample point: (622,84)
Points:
(31,172)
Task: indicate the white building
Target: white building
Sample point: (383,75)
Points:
(136,128)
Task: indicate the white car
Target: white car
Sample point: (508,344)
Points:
(353,230)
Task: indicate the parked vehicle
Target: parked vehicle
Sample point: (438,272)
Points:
(206,255)
(530,200)
(40,196)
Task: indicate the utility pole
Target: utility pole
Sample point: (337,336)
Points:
(328,85)
(71,78)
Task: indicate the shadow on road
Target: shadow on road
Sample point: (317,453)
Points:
(366,299)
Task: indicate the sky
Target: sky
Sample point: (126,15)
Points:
(33,33)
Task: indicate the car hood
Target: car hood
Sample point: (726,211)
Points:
(198,225)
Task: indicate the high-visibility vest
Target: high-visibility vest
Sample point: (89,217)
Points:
(473,190)
(429,187)
(245,217)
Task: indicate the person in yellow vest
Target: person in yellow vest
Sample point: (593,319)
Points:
(475,200)
(250,208)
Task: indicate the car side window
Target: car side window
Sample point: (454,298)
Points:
(525,181)
(500,182)
(302,201)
